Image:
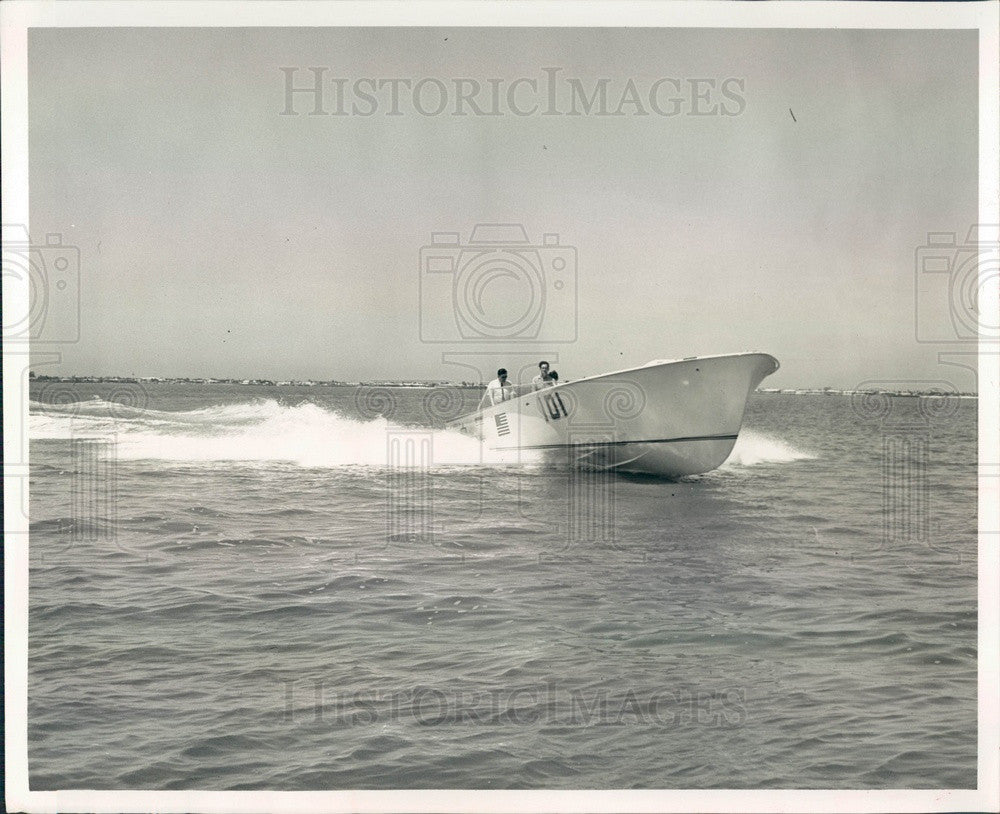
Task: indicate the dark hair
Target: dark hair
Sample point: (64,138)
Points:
(502,372)
(543,362)
(554,374)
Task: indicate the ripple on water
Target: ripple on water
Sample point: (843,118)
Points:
(254,625)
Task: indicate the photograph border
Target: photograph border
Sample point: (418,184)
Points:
(18,16)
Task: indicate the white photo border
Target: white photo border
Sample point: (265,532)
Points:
(17,16)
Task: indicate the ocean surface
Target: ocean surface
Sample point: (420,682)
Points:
(249,587)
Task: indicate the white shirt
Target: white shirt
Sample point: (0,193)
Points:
(538,383)
(498,392)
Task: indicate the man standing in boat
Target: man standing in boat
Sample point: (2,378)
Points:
(500,389)
(542,380)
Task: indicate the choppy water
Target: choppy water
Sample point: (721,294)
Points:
(231,589)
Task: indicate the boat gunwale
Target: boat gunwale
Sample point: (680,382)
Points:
(476,414)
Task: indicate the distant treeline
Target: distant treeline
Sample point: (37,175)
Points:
(258,382)
(830,391)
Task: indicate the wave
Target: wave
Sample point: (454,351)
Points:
(753,448)
(261,430)
(305,434)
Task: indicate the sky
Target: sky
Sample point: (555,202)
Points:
(219,237)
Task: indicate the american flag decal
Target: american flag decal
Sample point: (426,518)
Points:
(502,427)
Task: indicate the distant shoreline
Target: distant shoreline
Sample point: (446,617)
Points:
(803,391)
(832,391)
(245,382)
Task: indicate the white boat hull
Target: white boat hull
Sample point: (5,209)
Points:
(667,418)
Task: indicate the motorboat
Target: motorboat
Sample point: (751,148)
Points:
(668,417)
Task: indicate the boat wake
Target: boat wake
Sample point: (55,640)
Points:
(264,430)
(306,435)
(753,448)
